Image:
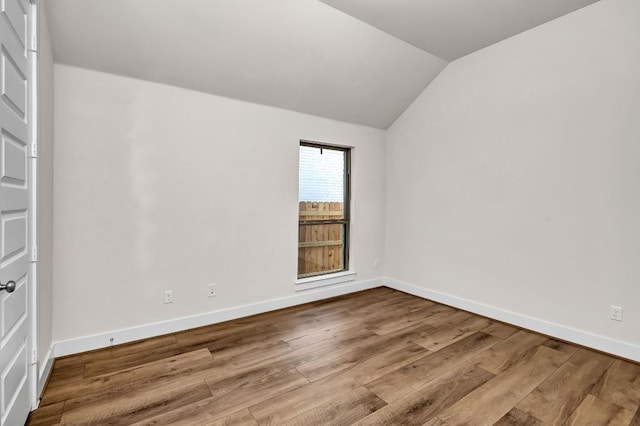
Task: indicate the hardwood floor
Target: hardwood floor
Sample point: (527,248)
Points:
(379,357)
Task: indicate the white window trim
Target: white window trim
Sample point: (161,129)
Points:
(325,280)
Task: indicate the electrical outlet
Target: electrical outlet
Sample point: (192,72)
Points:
(616,313)
(376,263)
(211,290)
(168,296)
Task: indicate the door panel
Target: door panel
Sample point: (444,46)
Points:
(15,317)
(15,373)
(14,167)
(15,312)
(14,92)
(14,235)
(16,16)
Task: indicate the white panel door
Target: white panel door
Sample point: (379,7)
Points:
(15,321)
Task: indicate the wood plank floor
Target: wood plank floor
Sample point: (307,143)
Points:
(378,357)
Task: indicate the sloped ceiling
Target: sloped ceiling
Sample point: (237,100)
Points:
(454,28)
(308,56)
(301,55)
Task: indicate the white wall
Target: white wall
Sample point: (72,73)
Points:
(160,188)
(45,190)
(514,179)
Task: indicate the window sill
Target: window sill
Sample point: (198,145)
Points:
(325,280)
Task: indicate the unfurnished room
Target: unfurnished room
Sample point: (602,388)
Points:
(320,212)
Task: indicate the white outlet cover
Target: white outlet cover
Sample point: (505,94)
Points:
(616,313)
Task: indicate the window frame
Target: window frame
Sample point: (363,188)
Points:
(345,221)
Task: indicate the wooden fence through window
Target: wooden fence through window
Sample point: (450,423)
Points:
(320,246)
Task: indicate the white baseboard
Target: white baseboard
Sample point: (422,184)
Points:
(601,343)
(103,340)
(45,370)
(82,344)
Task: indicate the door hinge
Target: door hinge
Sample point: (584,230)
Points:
(34,150)
(34,358)
(34,43)
(33,18)
(34,254)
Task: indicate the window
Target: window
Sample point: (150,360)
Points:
(323,221)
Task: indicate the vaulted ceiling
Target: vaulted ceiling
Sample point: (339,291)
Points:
(302,55)
(454,28)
